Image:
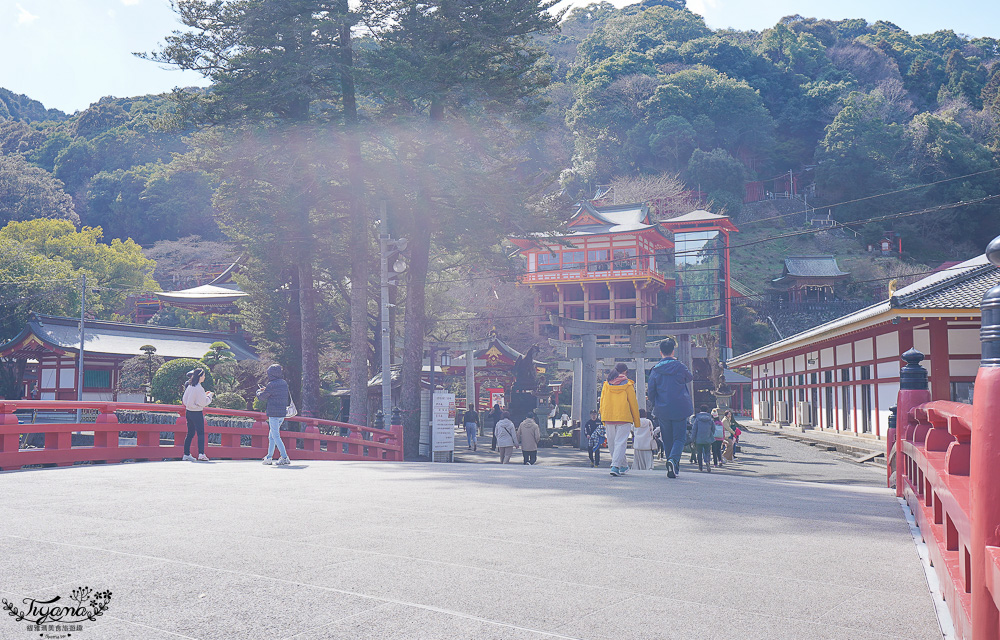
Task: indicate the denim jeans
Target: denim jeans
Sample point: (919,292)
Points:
(274,438)
(704,454)
(470,433)
(673,433)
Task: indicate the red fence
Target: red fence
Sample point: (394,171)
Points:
(948,470)
(319,439)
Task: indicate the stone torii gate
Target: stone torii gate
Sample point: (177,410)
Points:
(586,354)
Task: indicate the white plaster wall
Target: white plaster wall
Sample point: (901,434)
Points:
(800,363)
(888,369)
(66,378)
(789,366)
(962,368)
(48,395)
(49,378)
(131,397)
(922,340)
(826,357)
(864,350)
(964,341)
(779,367)
(887,345)
(887,394)
(98,396)
(844,354)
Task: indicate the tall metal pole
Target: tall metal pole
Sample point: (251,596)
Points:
(79,372)
(383,239)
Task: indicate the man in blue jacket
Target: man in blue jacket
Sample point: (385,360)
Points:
(667,392)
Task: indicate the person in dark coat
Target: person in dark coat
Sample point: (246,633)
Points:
(667,391)
(495,417)
(276,399)
(471,420)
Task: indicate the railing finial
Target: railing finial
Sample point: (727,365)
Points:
(913,376)
(989,332)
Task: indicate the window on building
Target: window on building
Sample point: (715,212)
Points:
(96,378)
(828,399)
(625,258)
(866,400)
(548,262)
(845,400)
(597,260)
(962,392)
(802,391)
(573,260)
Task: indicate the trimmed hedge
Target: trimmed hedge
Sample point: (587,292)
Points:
(168,382)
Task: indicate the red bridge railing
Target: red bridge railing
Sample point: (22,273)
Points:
(317,440)
(947,459)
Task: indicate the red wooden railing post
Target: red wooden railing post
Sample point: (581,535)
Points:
(913,391)
(10,433)
(984,472)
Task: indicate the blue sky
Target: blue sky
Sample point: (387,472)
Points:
(70,53)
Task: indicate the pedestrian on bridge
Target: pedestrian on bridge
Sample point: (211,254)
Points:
(506,437)
(668,393)
(277,400)
(620,412)
(195,399)
(528,435)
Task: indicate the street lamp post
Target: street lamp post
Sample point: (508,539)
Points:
(149,350)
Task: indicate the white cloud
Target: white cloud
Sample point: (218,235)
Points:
(130,2)
(112,14)
(701,7)
(24,16)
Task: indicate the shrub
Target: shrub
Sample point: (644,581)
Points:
(168,382)
(230,400)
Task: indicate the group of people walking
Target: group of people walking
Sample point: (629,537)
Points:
(679,425)
(524,437)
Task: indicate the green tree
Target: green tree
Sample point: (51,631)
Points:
(271,62)
(460,63)
(28,192)
(41,264)
(720,175)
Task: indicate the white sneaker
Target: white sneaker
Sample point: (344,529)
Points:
(282,461)
(268,461)
(203,457)
(188,457)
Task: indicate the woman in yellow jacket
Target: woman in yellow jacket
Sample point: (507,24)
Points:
(620,413)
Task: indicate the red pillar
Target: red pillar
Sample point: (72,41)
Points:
(940,375)
(984,472)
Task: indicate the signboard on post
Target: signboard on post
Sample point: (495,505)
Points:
(442,426)
(496,398)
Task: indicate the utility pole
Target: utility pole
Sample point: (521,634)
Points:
(79,373)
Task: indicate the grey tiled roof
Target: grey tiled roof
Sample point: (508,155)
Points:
(962,291)
(813,266)
(122,339)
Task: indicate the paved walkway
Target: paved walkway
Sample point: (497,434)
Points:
(791,542)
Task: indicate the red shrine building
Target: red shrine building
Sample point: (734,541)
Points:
(612,262)
(602,266)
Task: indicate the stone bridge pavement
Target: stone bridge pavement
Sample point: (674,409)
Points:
(789,543)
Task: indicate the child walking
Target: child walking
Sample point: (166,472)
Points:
(642,443)
(703,435)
